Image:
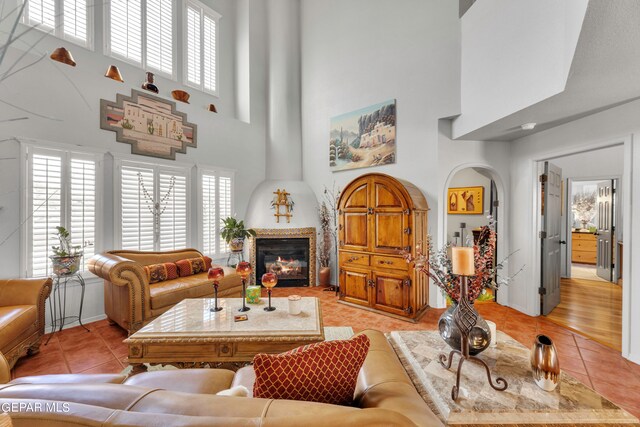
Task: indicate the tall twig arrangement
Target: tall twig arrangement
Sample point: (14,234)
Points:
(330,239)
(437,265)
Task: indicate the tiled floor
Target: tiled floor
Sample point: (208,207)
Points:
(101,350)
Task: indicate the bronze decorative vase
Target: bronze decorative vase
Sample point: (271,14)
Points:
(479,337)
(325,276)
(544,363)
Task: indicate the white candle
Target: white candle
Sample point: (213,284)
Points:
(494,333)
(462,261)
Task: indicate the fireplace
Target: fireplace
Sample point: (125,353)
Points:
(289,253)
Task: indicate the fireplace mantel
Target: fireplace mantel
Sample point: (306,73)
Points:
(279,233)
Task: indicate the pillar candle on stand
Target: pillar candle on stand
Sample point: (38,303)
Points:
(462,261)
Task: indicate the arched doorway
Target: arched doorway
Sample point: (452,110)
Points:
(471,177)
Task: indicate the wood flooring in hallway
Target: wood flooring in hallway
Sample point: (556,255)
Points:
(591,308)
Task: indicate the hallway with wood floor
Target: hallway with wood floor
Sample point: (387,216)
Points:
(591,308)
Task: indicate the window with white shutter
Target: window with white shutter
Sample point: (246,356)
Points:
(153,207)
(141,32)
(216,204)
(200,34)
(68,19)
(62,190)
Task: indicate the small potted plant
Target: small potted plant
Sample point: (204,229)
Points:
(66,258)
(234,233)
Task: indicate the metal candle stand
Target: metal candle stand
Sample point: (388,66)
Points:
(465,317)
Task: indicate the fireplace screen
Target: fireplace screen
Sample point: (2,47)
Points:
(287,258)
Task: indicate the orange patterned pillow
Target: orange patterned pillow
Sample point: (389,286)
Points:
(191,266)
(161,272)
(324,372)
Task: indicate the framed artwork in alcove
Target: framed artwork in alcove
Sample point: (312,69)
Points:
(465,200)
(364,137)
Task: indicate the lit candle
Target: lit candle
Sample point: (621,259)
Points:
(462,261)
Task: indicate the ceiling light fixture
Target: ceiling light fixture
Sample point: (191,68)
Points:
(528,126)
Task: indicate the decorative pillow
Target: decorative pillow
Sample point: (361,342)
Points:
(323,372)
(161,272)
(191,266)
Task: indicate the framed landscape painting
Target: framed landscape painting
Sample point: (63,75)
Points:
(364,137)
(465,200)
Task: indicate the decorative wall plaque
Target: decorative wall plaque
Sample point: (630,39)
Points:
(149,123)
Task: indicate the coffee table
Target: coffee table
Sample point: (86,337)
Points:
(189,335)
(522,404)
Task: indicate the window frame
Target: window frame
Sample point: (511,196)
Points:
(58,30)
(157,167)
(217,172)
(206,10)
(106,31)
(66,152)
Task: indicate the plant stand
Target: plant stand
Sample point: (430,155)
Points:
(58,304)
(235,258)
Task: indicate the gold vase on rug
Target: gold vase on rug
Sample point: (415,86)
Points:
(545,363)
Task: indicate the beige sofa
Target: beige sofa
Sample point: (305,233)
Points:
(384,396)
(129,299)
(22,307)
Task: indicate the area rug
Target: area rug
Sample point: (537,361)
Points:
(331,333)
(522,403)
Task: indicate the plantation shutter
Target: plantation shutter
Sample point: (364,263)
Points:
(224,203)
(194,36)
(209,219)
(137,220)
(82,223)
(160,35)
(75,19)
(42,13)
(126,29)
(209,53)
(173,221)
(46,197)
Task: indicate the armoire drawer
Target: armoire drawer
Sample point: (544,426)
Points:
(353,258)
(389,262)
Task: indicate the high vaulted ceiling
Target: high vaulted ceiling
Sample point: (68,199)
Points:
(604,73)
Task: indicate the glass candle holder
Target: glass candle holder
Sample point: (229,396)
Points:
(244,270)
(269,281)
(216,273)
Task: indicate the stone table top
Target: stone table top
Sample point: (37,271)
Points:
(192,318)
(522,403)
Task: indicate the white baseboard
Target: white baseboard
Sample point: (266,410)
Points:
(86,320)
(633,358)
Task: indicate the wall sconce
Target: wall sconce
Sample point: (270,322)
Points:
(114,74)
(63,55)
(212,108)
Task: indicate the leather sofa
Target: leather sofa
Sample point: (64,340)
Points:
(129,299)
(22,307)
(384,396)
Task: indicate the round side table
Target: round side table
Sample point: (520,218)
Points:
(58,302)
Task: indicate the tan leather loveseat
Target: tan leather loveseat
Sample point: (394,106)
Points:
(22,304)
(384,396)
(129,299)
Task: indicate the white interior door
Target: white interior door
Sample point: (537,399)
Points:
(551,237)
(604,235)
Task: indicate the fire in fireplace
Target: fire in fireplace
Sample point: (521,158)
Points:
(288,258)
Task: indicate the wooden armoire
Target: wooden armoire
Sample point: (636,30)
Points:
(380,217)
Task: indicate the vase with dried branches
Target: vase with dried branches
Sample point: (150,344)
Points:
(328,236)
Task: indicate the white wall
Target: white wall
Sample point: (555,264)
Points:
(514,54)
(360,52)
(469,177)
(223,140)
(617,125)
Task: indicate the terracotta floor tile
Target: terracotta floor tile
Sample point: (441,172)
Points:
(573,364)
(111,367)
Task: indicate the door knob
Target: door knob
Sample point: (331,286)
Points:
(563,242)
